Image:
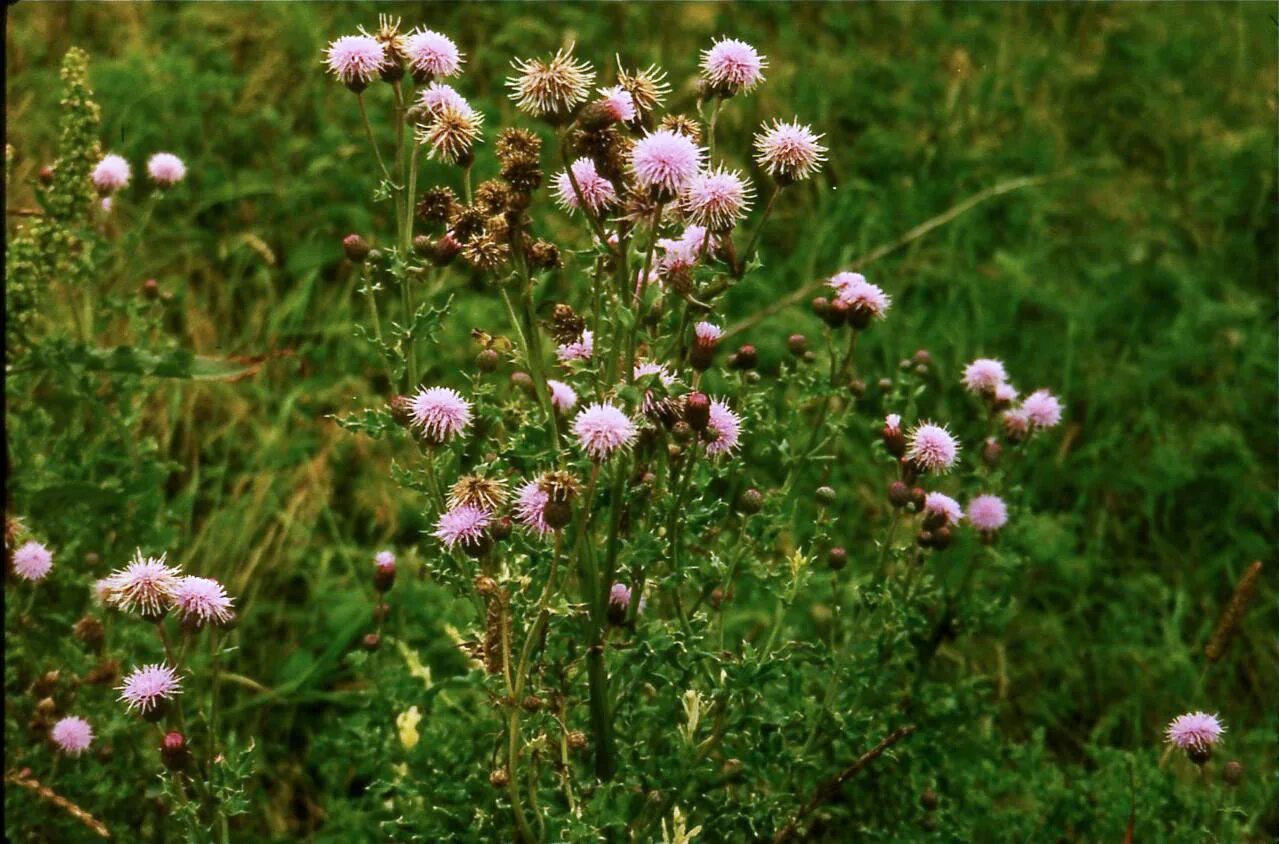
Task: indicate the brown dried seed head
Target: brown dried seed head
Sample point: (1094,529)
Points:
(1234,613)
(478,491)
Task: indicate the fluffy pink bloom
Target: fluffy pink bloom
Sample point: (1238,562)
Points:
(618,103)
(32,561)
(932,448)
(147,686)
(438,96)
(707,333)
(202,600)
(597,191)
(384,559)
(166,169)
(683,252)
(464,524)
(727,426)
(1005,393)
(645,368)
(987,513)
(983,375)
(731,66)
(530,506)
(944,507)
(602,428)
(579,350)
(1042,409)
(666,161)
(1016,423)
(146,585)
(1195,731)
(789,151)
(893,423)
(440,412)
(355,60)
(563,397)
(620,595)
(72,735)
(717,198)
(430,53)
(859,294)
(111,173)
(652,403)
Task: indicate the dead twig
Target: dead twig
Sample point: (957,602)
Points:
(23,779)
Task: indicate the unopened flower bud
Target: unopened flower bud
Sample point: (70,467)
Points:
(485,585)
(925,539)
(90,631)
(446,249)
(356,248)
(928,800)
(837,558)
(46,175)
(825,495)
(523,381)
(857,388)
(401,410)
(557,514)
(46,684)
(839,313)
(499,778)
(917,496)
(751,501)
(797,344)
(991,452)
(922,357)
(576,740)
(717,597)
(1232,773)
(744,358)
(821,306)
(46,708)
(371,642)
(884,384)
(697,411)
(899,494)
(151,289)
(501,528)
(531,703)
(384,575)
(1200,754)
(942,537)
(487,360)
(174,751)
(423,246)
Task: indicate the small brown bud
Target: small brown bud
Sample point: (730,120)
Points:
(899,495)
(838,314)
(90,631)
(48,681)
(884,384)
(46,708)
(922,357)
(501,528)
(857,388)
(751,501)
(825,495)
(576,740)
(821,306)
(697,411)
(928,799)
(356,248)
(499,778)
(991,452)
(151,289)
(532,703)
(681,432)
(744,358)
(174,751)
(942,537)
(1232,772)
(371,642)
(46,175)
(92,559)
(523,381)
(485,585)
(809,356)
(401,408)
(717,597)
(384,576)
(837,558)
(797,344)
(557,514)
(925,539)
(487,360)
(917,495)
(423,246)
(445,250)
(104,673)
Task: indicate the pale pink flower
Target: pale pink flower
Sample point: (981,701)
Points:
(550,86)
(652,403)
(384,559)
(530,506)
(860,295)
(107,203)
(789,152)
(202,600)
(563,397)
(618,103)
(356,60)
(145,687)
(943,507)
(146,584)
(72,735)
(717,198)
(731,66)
(1016,423)
(707,333)
(1005,393)
(727,427)
(441,413)
(597,191)
(983,375)
(111,173)
(582,349)
(602,428)
(1042,409)
(987,513)
(437,96)
(166,169)
(932,448)
(432,54)
(464,525)
(893,423)
(682,253)
(32,561)
(666,161)
(1195,731)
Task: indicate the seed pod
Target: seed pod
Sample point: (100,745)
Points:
(356,248)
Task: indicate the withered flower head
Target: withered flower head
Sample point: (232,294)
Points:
(477,491)
(543,255)
(566,325)
(523,175)
(437,205)
(559,485)
(392,40)
(518,145)
(452,133)
(498,228)
(485,253)
(684,125)
(467,222)
(491,196)
(648,88)
(550,88)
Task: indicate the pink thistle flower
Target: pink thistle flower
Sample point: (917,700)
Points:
(146,585)
(1042,409)
(682,253)
(384,559)
(32,561)
(530,506)
(1005,393)
(727,427)
(987,513)
(1195,731)
(463,525)
(943,507)
(983,375)
(602,428)
(563,397)
(893,423)
(356,60)
(708,333)
(72,735)
(731,66)
(932,448)
(440,412)
(550,87)
(148,686)
(652,404)
(597,191)
(438,96)
(111,174)
(452,134)
(1016,423)
(583,349)
(202,600)
(432,54)
(790,152)
(618,104)
(666,161)
(620,596)
(717,198)
(866,300)
(166,169)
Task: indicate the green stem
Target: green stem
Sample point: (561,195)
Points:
(750,244)
(368,131)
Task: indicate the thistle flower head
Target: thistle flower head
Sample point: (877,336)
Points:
(202,600)
(384,559)
(478,491)
(550,87)
(146,585)
(1042,409)
(463,525)
(452,132)
(72,735)
(356,60)
(932,448)
(111,173)
(147,686)
(582,349)
(597,191)
(441,413)
(943,507)
(1195,731)
(602,429)
(683,252)
(437,96)
(431,54)
(32,561)
(530,506)
(1005,393)
(987,513)
(860,295)
(617,103)
(647,87)
(666,161)
(790,152)
(717,198)
(563,397)
(732,66)
(619,595)
(893,423)
(983,375)
(727,427)
(166,169)
(1016,423)
(707,333)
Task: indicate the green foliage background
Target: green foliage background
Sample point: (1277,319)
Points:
(1138,282)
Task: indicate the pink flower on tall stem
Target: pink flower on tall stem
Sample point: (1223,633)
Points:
(790,152)
(146,687)
(146,585)
(983,375)
(1195,731)
(597,191)
(32,561)
(727,427)
(563,397)
(201,601)
(356,60)
(732,66)
(166,169)
(530,506)
(717,199)
(464,525)
(579,350)
(440,413)
(617,103)
(431,54)
(602,429)
(111,174)
(932,448)
(72,735)
(1042,409)
(666,161)
(987,513)
(942,508)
